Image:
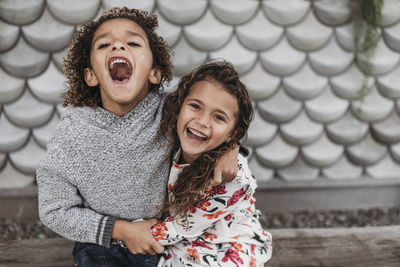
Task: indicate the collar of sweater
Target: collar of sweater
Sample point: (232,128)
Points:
(144,111)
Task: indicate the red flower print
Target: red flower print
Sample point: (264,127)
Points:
(209,236)
(235,197)
(249,209)
(228,217)
(168,256)
(193,253)
(214,215)
(203,204)
(219,189)
(200,244)
(252,262)
(252,248)
(247,196)
(159,231)
(236,246)
(232,255)
(252,200)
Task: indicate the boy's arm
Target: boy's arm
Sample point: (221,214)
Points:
(226,167)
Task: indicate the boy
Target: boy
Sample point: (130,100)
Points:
(106,165)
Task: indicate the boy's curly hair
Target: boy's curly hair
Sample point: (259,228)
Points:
(194,180)
(78,56)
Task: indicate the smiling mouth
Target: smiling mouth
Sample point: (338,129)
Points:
(196,135)
(120,69)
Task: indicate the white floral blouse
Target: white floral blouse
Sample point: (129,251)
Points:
(222,230)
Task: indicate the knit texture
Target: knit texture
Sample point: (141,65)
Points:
(101,167)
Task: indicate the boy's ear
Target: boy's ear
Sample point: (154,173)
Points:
(90,78)
(155,76)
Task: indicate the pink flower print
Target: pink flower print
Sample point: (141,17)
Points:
(232,255)
(219,189)
(235,197)
(200,244)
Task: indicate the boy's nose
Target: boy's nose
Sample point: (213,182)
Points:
(118,46)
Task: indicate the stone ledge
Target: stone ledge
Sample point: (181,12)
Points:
(369,246)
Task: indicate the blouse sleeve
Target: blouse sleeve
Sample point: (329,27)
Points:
(219,203)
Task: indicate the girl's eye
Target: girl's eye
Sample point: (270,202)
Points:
(133,44)
(195,106)
(103,46)
(219,117)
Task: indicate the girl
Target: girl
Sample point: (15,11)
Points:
(210,226)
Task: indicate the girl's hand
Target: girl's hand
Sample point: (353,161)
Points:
(137,236)
(226,167)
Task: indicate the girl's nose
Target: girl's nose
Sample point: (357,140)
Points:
(203,120)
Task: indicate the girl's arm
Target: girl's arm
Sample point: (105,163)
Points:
(222,200)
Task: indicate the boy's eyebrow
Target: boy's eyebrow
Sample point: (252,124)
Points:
(128,32)
(218,110)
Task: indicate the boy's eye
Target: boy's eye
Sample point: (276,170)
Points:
(103,46)
(133,44)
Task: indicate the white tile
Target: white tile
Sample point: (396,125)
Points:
(373,107)
(28,158)
(301,130)
(260,131)
(285,12)
(3,158)
(60,109)
(48,86)
(232,11)
(299,171)
(147,5)
(277,153)
(20,11)
(330,59)
(74,11)
(187,58)
(323,152)
(182,12)
(280,107)
(208,33)
(395,152)
(261,172)
(11,178)
(392,36)
(167,30)
(171,87)
(388,130)
(326,107)
(260,83)
(28,111)
(44,133)
(332,12)
(389,84)
(11,137)
(24,61)
(48,33)
(382,60)
(242,58)
(309,34)
(259,33)
(367,152)
(345,36)
(11,87)
(351,83)
(282,59)
(387,168)
(8,35)
(347,130)
(390,12)
(305,83)
(58,58)
(343,170)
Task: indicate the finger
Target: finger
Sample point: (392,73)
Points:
(217,180)
(158,248)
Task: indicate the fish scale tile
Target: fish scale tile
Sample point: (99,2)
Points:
(316,113)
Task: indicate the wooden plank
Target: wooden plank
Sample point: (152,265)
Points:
(369,246)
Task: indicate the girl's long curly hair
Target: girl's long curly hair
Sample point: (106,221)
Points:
(195,179)
(78,56)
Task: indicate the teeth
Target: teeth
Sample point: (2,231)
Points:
(118,60)
(197,133)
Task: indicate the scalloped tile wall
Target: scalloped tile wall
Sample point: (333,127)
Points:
(296,58)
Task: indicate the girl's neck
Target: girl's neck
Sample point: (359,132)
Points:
(186,159)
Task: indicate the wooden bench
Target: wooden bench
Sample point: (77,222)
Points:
(370,246)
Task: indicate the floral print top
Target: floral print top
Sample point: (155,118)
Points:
(222,230)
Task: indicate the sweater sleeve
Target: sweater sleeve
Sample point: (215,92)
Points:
(222,201)
(61,207)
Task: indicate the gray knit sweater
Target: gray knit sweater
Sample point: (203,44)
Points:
(101,167)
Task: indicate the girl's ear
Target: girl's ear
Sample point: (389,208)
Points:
(90,78)
(155,76)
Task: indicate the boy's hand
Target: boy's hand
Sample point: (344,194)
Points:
(226,167)
(137,236)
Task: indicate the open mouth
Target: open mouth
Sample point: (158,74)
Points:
(196,135)
(120,69)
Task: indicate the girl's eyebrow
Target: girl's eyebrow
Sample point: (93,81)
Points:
(217,110)
(131,33)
